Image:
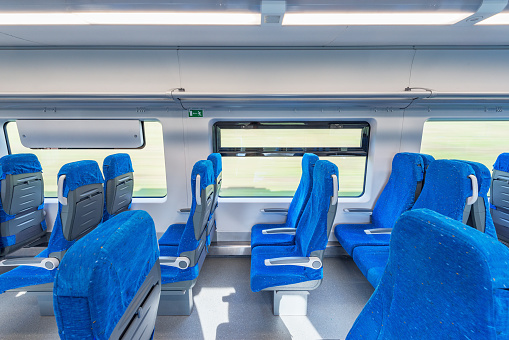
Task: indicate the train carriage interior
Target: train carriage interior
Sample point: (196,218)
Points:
(254,169)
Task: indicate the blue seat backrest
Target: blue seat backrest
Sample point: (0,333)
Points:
(77,174)
(217,164)
(192,232)
(301,196)
(22,202)
(446,188)
(502,162)
(101,273)
(429,289)
(116,165)
(484,181)
(398,195)
(312,229)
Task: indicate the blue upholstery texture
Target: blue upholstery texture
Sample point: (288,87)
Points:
(484,181)
(375,274)
(429,289)
(397,197)
(311,236)
(295,210)
(187,241)
(23,163)
(115,165)
(427,159)
(217,164)
(447,188)
(23,276)
(367,257)
(101,273)
(502,162)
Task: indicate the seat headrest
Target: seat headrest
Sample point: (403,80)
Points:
(217,164)
(80,173)
(405,163)
(427,159)
(308,163)
(103,271)
(206,172)
(447,187)
(21,163)
(483,177)
(116,165)
(502,162)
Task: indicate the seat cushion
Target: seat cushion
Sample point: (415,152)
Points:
(24,276)
(353,235)
(264,277)
(173,274)
(259,239)
(172,235)
(367,257)
(374,275)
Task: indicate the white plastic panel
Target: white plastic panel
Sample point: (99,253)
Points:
(272,71)
(461,70)
(88,71)
(83,134)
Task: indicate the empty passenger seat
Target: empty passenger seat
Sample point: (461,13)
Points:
(451,189)
(284,234)
(183,246)
(22,202)
(499,197)
(119,184)
(108,285)
(80,210)
(429,289)
(217,165)
(294,270)
(399,195)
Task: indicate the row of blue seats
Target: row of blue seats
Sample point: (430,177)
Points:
(183,246)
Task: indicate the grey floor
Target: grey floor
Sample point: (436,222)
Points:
(225,307)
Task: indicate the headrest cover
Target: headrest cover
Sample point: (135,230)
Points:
(21,163)
(483,177)
(103,271)
(308,163)
(206,172)
(427,159)
(116,165)
(502,162)
(447,188)
(80,173)
(217,164)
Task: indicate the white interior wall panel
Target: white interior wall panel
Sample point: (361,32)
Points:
(94,71)
(273,71)
(461,70)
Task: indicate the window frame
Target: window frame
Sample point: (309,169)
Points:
(361,151)
(144,144)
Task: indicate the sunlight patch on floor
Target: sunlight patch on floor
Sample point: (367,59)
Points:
(212,317)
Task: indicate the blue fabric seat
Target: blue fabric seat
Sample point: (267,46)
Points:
(499,205)
(447,181)
(429,289)
(77,175)
(310,240)
(174,232)
(118,184)
(189,240)
(22,202)
(295,210)
(102,277)
(399,195)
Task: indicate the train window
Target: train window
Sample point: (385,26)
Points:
(148,160)
(260,159)
(475,140)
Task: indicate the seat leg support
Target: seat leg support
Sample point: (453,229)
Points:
(176,302)
(45,302)
(291,302)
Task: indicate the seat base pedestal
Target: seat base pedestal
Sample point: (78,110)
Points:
(176,302)
(291,302)
(45,302)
